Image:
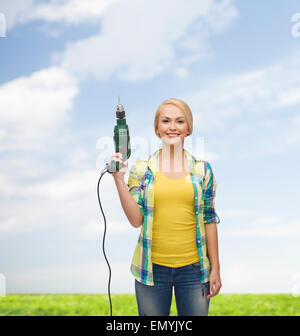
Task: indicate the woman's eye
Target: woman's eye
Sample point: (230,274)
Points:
(180,121)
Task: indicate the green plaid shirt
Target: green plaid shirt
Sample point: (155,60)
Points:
(141,186)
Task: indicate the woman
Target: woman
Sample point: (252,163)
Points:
(171,196)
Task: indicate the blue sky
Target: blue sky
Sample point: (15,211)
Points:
(63,65)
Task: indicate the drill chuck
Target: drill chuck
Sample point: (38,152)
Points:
(120,113)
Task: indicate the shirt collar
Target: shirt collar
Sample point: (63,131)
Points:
(152,162)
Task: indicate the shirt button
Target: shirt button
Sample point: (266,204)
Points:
(196,197)
(196,212)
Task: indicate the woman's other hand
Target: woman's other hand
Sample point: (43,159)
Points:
(214,283)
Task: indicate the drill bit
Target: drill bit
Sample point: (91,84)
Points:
(120,107)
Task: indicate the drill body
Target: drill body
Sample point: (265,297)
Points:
(121,140)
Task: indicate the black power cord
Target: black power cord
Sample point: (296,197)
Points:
(105,170)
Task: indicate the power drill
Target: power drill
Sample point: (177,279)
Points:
(121,140)
(122,145)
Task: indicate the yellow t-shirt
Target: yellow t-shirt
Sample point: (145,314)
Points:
(174,222)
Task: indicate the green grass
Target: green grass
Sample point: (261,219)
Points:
(125,305)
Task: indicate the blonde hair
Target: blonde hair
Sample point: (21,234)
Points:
(184,108)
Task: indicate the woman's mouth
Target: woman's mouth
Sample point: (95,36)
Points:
(172,135)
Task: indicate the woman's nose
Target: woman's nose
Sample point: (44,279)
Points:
(172,126)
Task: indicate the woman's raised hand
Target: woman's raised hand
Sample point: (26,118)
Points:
(120,173)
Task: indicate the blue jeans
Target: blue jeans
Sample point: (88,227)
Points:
(190,293)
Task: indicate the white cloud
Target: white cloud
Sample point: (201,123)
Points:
(15,11)
(138,39)
(63,186)
(258,277)
(259,225)
(94,229)
(90,277)
(67,200)
(34,108)
(22,167)
(292,132)
(181,72)
(230,214)
(68,11)
(66,186)
(260,91)
(78,156)
(220,15)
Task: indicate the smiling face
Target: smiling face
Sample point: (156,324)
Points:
(172,120)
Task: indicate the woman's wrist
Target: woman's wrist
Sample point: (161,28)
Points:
(215,267)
